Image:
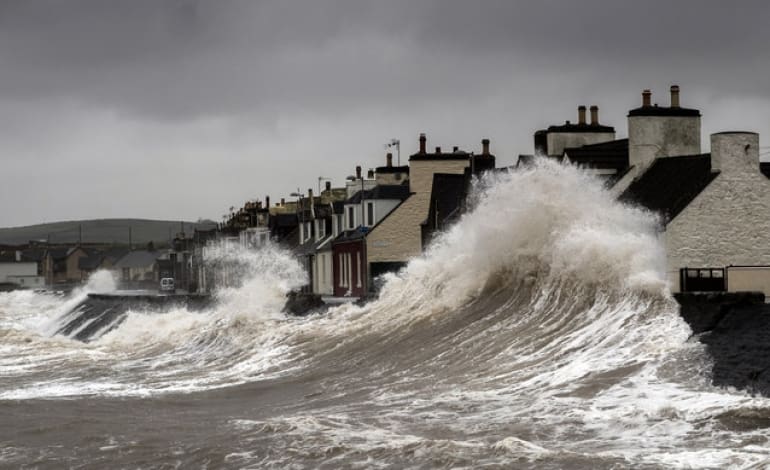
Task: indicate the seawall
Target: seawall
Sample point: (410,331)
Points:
(735,327)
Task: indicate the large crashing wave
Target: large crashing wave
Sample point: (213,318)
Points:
(539,325)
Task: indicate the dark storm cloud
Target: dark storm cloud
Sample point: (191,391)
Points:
(300,88)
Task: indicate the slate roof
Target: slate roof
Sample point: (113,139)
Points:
(663,111)
(283,220)
(392,169)
(571,127)
(91,262)
(137,259)
(351,235)
(613,154)
(764,167)
(386,191)
(458,155)
(446,199)
(670,184)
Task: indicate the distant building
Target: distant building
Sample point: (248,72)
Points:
(15,271)
(137,269)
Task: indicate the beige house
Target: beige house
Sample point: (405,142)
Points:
(398,237)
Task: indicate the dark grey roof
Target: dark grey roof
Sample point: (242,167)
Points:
(352,235)
(284,220)
(570,127)
(137,259)
(90,262)
(663,111)
(447,196)
(458,155)
(613,154)
(670,184)
(323,211)
(764,167)
(385,191)
(339,207)
(392,169)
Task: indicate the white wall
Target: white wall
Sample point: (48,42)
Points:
(651,137)
(558,141)
(322,273)
(17,269)
(728,223)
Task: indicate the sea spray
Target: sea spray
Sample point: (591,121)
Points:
(536,333)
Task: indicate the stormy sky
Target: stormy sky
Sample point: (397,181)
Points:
(179,109)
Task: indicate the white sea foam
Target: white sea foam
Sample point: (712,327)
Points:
(537,328)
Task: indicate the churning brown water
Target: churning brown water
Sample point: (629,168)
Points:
(537,333)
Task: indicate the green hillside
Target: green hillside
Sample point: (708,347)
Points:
(101,231)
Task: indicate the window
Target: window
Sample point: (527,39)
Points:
(341,270)
(370,213)
(321,228)
(323,269)
(351,213)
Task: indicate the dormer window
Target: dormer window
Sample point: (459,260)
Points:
(351,219)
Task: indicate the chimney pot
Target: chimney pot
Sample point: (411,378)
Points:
(594,115)
(389,159)
(674,96)
(485,146)
(310,193)
(283,201)
(328,185)
(438,150)
(566,122)
(358,172)
(455,149)
(370,174)
(267,202)
(423,141)
(581,114)
(646,98)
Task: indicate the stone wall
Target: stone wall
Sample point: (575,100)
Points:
(651,137)
(728,222)
(558,141)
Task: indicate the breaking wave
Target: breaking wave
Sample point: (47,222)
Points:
(537,330)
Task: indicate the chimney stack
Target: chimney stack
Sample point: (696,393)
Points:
(358,172)
(267,202)
(674,96)
(283,201)
(438,150)
(389,160)
(328,185)
(646,98)
(370,174)
(581,114)
(594,115)
(423,141)
(485,144)
(455,149)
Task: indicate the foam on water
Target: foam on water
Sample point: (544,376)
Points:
(536,330)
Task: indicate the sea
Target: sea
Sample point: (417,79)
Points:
(538,332)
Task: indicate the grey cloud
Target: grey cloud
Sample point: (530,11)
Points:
(295,89)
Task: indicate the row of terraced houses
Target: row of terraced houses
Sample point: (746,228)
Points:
(714,206)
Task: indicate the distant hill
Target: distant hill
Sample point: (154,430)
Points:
(102,231)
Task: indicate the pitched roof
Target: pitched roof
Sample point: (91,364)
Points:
(571,127)
(764,167)
(385,191)
(612,154)
(137,259)
(90,262)
(392,169)
(670,184)
(663,111)
(446,199)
